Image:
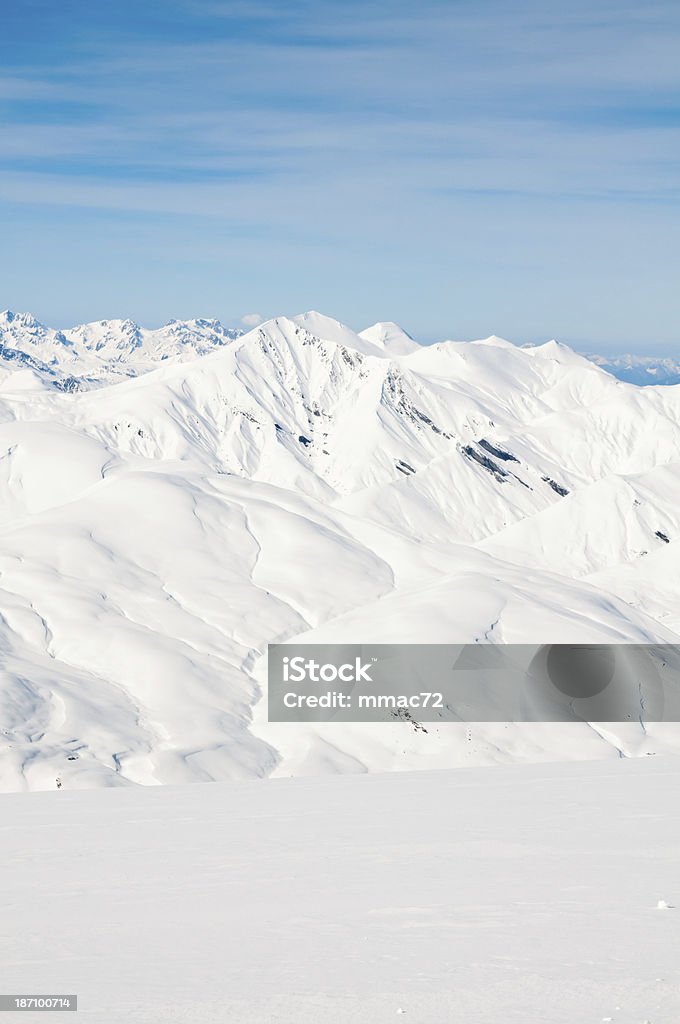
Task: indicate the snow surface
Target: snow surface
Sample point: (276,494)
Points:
(190,497)
(499,895)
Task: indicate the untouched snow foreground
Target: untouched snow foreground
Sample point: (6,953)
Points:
(173,501)
(499,895)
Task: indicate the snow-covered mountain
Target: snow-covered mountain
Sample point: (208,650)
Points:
(95,353)
(302,480)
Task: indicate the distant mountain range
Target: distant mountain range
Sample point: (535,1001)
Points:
(105,350)
(640,370)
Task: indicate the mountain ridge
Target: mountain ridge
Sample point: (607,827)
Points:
(105,350)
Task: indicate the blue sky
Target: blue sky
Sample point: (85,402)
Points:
(464,168)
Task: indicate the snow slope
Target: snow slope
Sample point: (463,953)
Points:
(502,894)
(299,480)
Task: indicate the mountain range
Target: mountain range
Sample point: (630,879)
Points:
(641,370)
(105,350)
(172,501)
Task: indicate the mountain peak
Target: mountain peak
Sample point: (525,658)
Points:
(328,329)
(25,320)
(495,341)
(392,338)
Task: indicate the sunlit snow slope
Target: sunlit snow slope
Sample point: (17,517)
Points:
(157,532)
